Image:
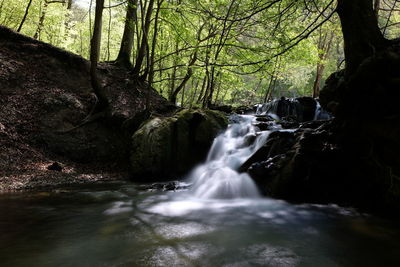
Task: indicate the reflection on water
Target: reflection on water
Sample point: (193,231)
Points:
(125,227)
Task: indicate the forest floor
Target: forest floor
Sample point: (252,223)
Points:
(44,90)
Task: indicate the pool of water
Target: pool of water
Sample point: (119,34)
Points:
(119,225)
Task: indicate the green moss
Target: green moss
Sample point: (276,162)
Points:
(163,147)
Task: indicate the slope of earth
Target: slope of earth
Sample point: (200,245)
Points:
(44,93)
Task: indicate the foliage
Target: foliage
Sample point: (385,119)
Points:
(235,52)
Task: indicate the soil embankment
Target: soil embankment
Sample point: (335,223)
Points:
(44,92)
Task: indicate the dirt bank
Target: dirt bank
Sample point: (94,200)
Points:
(45,91)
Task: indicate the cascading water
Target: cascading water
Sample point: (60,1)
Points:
(320,113)
(218,177)
(302,109)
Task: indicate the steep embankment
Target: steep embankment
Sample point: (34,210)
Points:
(45,91)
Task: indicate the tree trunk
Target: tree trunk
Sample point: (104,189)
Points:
(194,92)
(203,86)
(41,20)
(90,20)
(318,78)
(109,31)
(154,43)
(125,50)
(324,47)
(144,42)
(377,5)
(362,36)
(187,77)
(68,21)
(94,57)
(210,89)
(25,15)
(274,74)
(218,89)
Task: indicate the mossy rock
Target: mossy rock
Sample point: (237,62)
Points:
(166,148)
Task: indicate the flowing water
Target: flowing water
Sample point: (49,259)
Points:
(219,221)
(118,225)
(218,178)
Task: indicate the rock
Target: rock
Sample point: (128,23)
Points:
(264,126)
(278,143)
(248,140)
(289,122)
(309,106)
(330,165)
(55,166)
(311,124)
(131,125)
(243,110)
(330,94)
(264,118)
(301,109)
(223,108)
(167,186)
(164,148)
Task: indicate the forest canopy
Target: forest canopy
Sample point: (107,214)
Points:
(196,53)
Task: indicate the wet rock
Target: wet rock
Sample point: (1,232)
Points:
(169,147)
(301,109)
(249,140)
(264,126)
(169,186)
(264,118)
(311,124)
(278,143)
(328,164)
(243,110)
(289,122)
(309,106)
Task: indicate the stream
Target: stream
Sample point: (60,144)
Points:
(118,225)
(220,220)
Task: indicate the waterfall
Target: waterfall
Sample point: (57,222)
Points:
(283,107)
(301,109)
(320,113)
(218,177)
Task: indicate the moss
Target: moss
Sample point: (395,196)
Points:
(165,147)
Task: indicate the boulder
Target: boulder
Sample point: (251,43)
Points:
(300,109)
(325,165)
(166,147)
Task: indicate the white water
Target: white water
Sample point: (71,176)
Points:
(218,177)
(320,113)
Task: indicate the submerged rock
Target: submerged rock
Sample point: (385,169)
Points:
(164,148)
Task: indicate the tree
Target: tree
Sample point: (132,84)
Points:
(41,20)
(102,101)
(188,75)
(325,40)
(362,36)
(25,16)
(144,44)
(125,51)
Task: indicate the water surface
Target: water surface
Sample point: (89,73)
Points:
(118,225)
